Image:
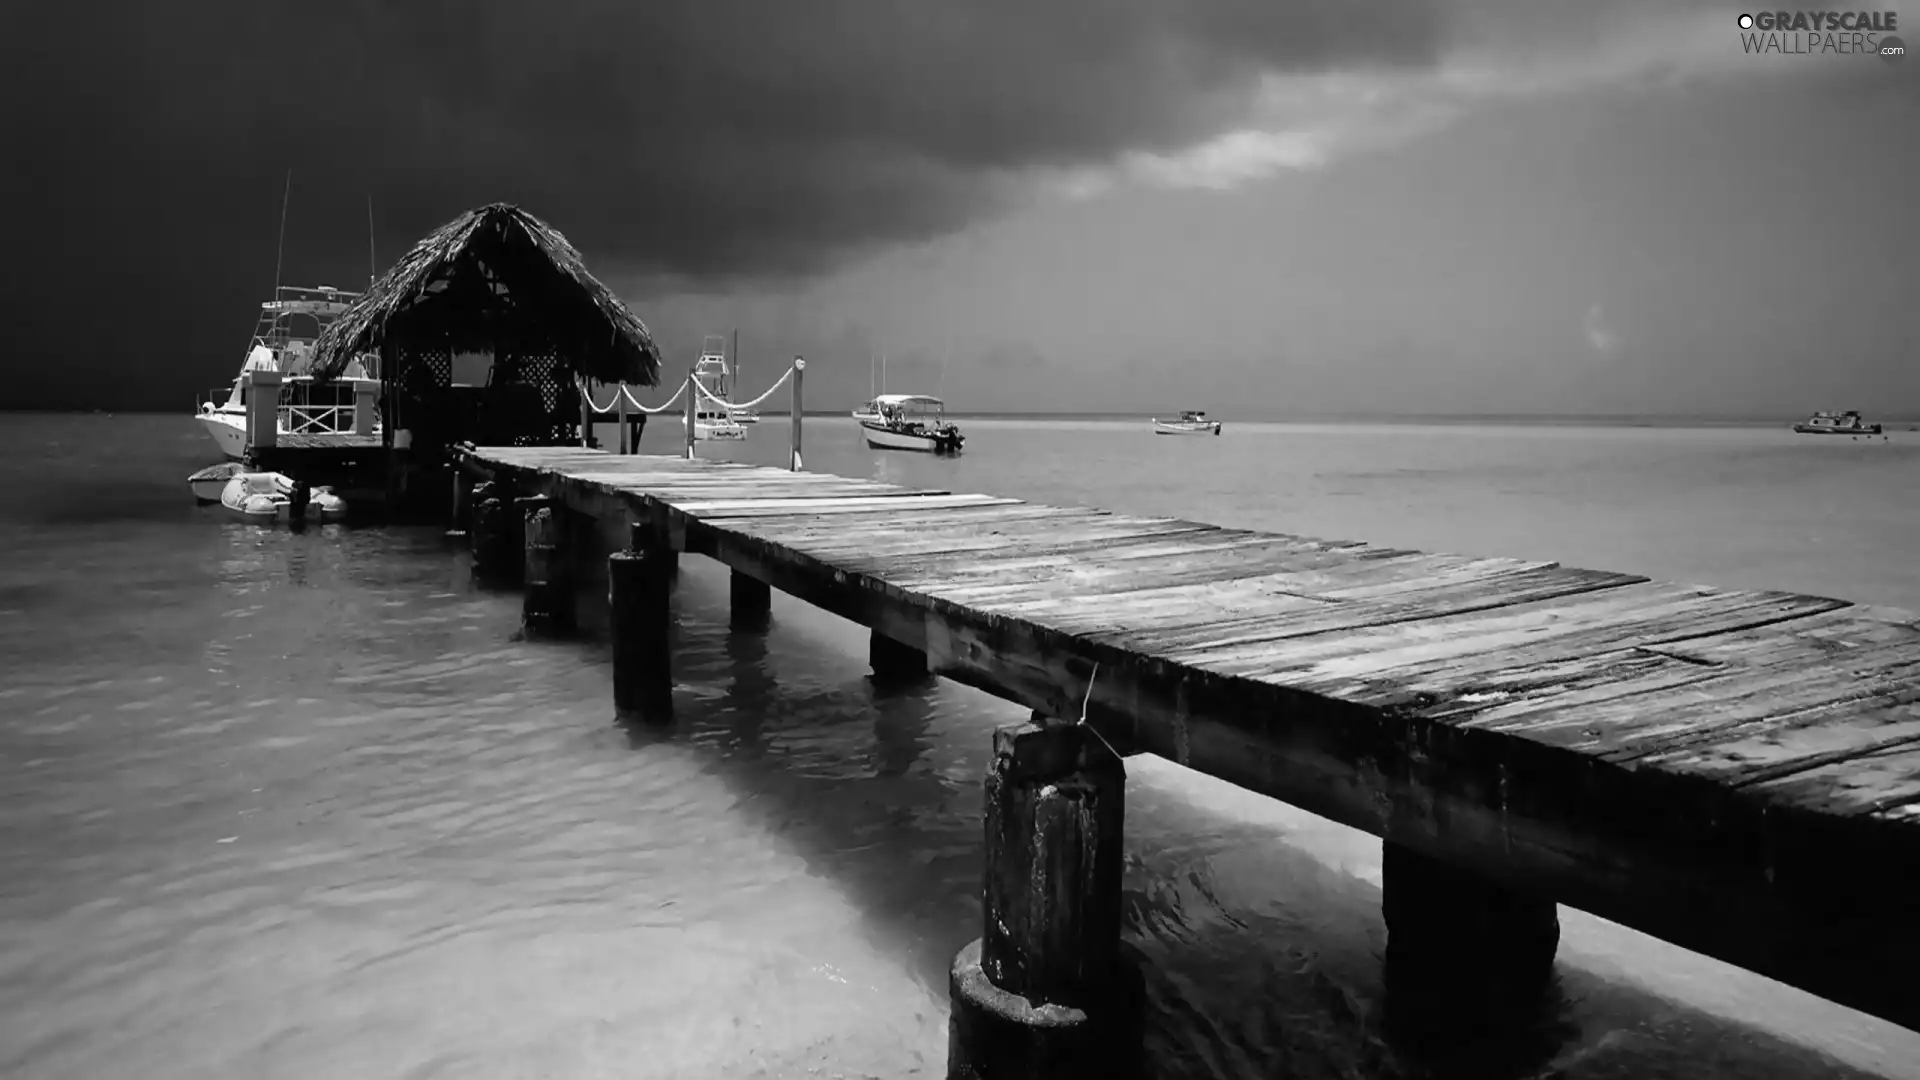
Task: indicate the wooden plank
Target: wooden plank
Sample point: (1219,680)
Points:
(893,524)
(746,508)
(1394,592)
(1648,612)
(1176,560)
(1882,783)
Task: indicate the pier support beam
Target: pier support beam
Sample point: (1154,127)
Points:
(1457,940)
(460,520)
(496,534)
(1047,991)
(752,601)
(547,606)
(637,588)
(893,661)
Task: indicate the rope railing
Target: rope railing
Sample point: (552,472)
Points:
(725,404)
(623,397)
(613,405)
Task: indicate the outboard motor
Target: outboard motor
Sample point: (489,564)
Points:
(297,501)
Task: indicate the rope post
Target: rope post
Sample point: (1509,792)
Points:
(620,399)
(692,393)
(586,415)
(799,370)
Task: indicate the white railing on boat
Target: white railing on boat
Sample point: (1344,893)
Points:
(312,419)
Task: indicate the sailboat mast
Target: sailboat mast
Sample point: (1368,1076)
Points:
(736,357)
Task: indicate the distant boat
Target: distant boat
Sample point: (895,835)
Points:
(1191,422)
(876,386)
(1836,423)
(911,422)
(711,423)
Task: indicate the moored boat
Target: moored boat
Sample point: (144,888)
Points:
(911,422)
(713,423)
(268,498)
(210,482)
(1191,422)
(283,343)
(1836,423)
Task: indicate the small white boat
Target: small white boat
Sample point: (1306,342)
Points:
(1836,423)
(912,422)
(268,498)
(210,482)
(711,423)
(1191,422)
(743,416)
(869,411)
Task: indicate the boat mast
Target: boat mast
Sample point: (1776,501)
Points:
(373,263)
(280,254)
(736,357)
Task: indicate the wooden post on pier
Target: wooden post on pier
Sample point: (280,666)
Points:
(799,372)
(547,605)
(459,521)
(1047,991)
(752,602)
(637,591)
(496,534)
(692,393)
(1458,941)
(892,660)
(586,414)
(626,433)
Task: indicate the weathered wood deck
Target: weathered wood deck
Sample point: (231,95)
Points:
(1735,772)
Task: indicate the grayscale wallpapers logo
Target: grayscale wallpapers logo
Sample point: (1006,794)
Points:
(1815,33)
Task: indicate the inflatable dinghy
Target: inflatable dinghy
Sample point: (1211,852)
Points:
(265,498)
(209,483)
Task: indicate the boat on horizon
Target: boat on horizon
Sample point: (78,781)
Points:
(1836,423)
(713,423)
(283,342)
(1191,422)
(911,422)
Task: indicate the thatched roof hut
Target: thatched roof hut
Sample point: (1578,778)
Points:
(491,277)
(499,283)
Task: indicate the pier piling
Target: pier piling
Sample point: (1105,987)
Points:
(495,534)
(1046,992)
(894,661)
(547,605)
(751,601)
(637,588)
(1456,937)
(460,520)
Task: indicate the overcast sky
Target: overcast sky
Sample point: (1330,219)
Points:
(1257,207)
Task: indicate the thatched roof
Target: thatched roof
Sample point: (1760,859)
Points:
(495,277)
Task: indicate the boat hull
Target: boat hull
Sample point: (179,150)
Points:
(1186,427)
(881,437)
(210,483)
(716,430)
(266,499)
(227,430)
(1834,429)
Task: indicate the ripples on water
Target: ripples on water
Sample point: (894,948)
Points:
(303,805)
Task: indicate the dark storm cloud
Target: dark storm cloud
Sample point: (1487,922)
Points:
(148,142)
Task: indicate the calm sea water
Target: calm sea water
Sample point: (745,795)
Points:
(303,806)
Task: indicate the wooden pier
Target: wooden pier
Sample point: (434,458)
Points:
(1735,772)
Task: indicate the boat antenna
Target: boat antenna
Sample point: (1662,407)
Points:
(280,255)
(373,263)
